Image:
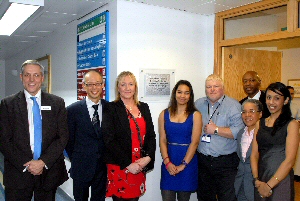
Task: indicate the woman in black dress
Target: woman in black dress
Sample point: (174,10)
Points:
(274,148)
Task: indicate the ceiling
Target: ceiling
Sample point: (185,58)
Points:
(58,13)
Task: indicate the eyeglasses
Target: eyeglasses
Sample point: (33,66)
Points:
(95,84)
(249,112)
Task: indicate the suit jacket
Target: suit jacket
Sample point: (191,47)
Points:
(15,141)
(117,135)
(244,173)
(85,147)
(262,99)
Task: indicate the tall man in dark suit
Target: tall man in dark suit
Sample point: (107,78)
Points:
(85,146)
(251,84)
(31,164)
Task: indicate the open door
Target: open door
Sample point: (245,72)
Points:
(236,61)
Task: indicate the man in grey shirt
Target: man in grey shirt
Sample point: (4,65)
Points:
(217,158)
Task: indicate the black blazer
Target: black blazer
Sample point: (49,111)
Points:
(15,141)
(262,99)
(117,135)
(84,147)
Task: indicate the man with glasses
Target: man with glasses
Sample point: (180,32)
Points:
(251,84)
(85,146)
(34,133)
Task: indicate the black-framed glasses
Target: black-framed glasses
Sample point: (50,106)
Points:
(93,84)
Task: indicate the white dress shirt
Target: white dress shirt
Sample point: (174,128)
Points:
(246,141)
(257,95)
(91,110)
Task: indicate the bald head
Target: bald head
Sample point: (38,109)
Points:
(251,83)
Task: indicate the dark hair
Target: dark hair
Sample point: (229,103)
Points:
(280,89)
(190,108)
(289,87)
(258,104)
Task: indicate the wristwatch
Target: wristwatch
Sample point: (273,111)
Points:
(216,131)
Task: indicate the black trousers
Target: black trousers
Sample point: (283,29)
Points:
(39,193)
(216,177)
(97,184)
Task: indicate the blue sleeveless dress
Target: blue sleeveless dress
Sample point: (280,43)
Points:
(179,136)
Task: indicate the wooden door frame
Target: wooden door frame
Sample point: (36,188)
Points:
(292,27)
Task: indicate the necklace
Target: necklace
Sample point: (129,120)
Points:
(129,107)
(269,122)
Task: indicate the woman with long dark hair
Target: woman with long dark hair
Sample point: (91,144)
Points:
(179,135)
(274,148)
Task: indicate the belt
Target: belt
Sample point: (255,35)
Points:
(220,156)
(177,144)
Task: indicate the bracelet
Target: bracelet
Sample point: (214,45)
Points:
(184,163)
(166,158)
(168,164)
(276,178)
(269,185)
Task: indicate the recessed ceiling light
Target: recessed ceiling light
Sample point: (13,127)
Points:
(15,16)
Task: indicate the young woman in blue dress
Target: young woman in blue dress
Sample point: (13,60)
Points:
(180,127)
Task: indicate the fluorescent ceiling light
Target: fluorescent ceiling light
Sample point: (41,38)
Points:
(15,16)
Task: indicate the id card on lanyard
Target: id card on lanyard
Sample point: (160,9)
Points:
(207,137)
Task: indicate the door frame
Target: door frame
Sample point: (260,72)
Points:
(292,27)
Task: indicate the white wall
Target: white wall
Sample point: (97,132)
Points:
(150,37)
(142,36)
(290,67)
(2,79)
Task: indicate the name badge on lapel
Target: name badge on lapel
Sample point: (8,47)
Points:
(45,107)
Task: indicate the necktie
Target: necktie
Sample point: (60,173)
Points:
(37,123)
(95,119)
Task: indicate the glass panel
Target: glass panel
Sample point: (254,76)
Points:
(261,22)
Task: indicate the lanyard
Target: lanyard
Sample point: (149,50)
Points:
(214,110)
(137,128)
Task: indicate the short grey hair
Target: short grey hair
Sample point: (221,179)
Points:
(214,77)
(32,62)
(255,102)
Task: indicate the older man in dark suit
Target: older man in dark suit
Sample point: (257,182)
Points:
(85,146)
(251,84)
(33,136)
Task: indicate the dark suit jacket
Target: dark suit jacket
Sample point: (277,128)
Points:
(15,141)
(262,99)
(244,173)
(85,147)
(117,135)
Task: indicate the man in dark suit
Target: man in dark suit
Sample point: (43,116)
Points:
(32,165)
(85,146)
(251,84)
